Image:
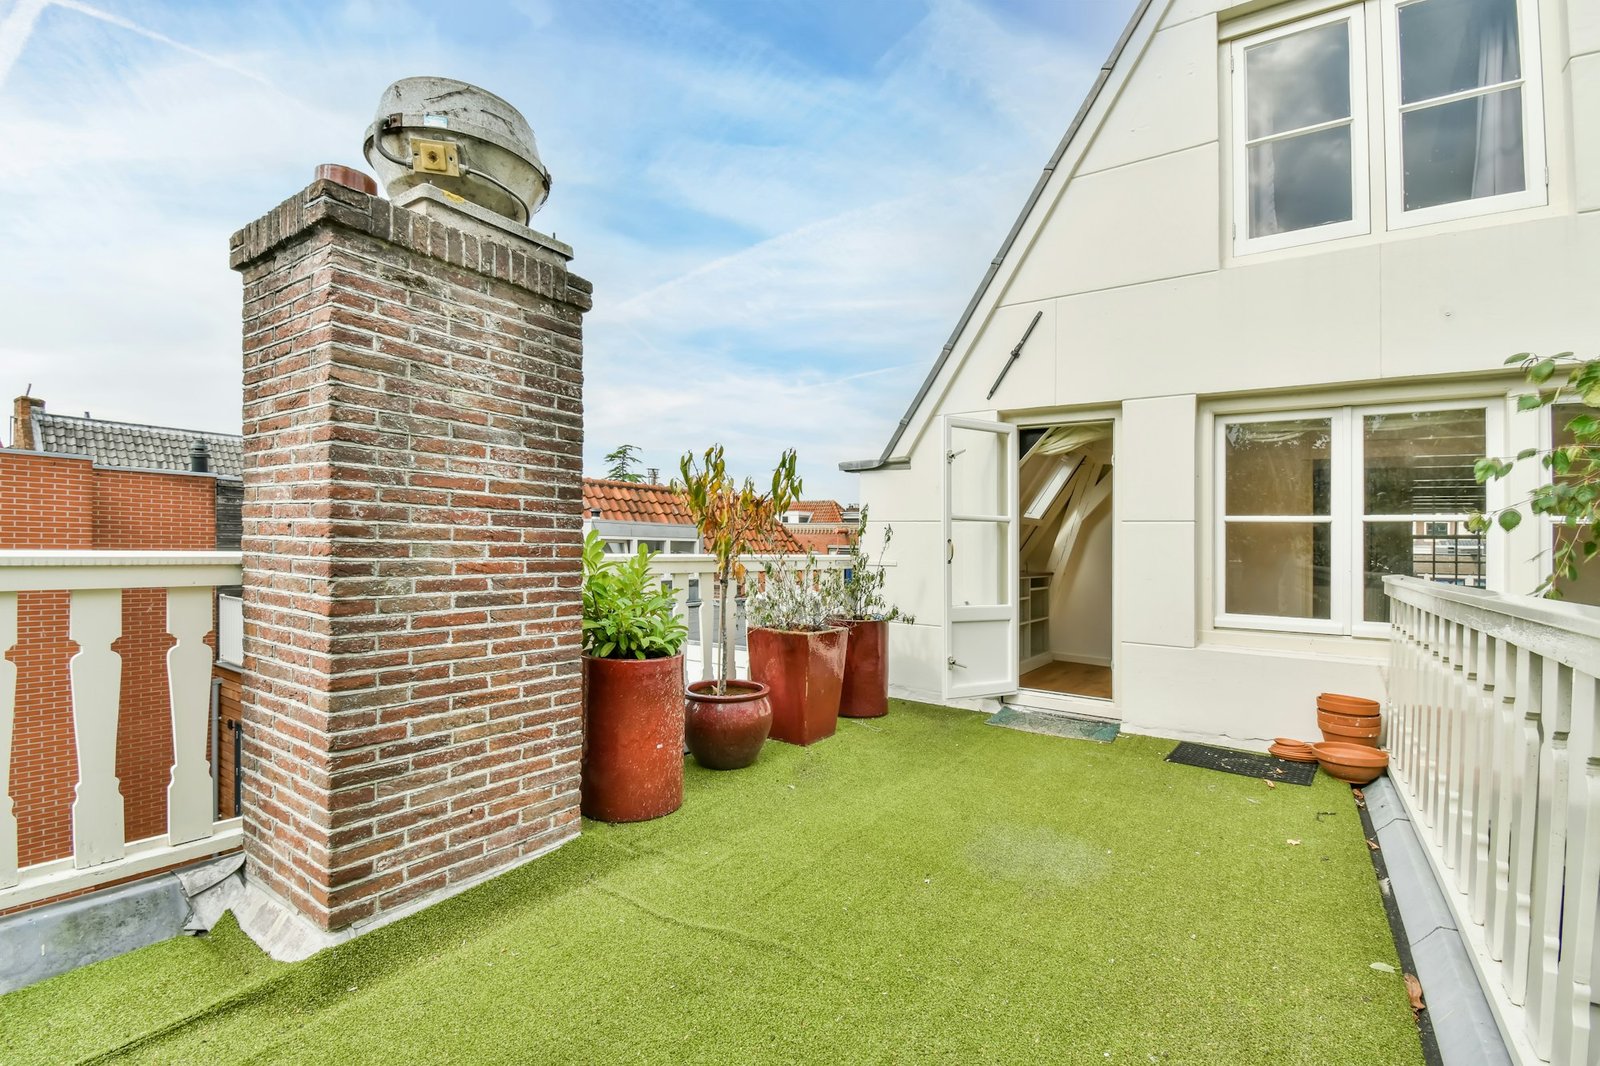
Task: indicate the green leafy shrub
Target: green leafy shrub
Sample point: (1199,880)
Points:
(626,612)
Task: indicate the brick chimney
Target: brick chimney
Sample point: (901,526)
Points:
(22,422)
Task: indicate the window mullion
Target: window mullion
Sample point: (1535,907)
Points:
(1347,508)
(1457,97)
(1331,124)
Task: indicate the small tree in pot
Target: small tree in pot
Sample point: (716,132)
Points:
(633,690)
(796,653)
(857,603)
(727,720)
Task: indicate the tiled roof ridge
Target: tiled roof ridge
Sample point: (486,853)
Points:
(55,417)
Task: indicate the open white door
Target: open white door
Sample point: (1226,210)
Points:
(980,579)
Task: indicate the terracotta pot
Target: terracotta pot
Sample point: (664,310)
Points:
(865,691)
(726,732)
(1292,754)
(1349,721)
(632,738)
(1366,736)
(1356,706)
(804,671)
(1351,763)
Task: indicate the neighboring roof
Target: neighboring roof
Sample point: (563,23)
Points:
(638,501)
(820,510)
(134,446)
(855,466)
(820,540)
(634,501)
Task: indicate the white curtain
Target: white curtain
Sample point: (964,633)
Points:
(1497,167)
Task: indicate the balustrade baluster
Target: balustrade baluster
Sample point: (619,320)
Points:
(1525,789)
(1549,854)
(1510,666)
(94,621)
(1487,703)
(191,788)
(1575,1011)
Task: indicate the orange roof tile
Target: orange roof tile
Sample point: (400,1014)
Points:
(637,501)
(821,510)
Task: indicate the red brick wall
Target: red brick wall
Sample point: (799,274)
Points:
(59,503)
(413,435)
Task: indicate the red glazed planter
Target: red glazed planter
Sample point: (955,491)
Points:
(726,732)
(804,671)
(632,738)
(865,690)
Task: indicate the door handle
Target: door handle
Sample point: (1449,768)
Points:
(951,664)
(949,551)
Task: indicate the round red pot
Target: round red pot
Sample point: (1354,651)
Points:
(864,692)
(1357,706)
(726,732)
(632,738)
(804,671)
(1351,763)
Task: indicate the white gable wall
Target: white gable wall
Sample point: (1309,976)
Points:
(1147,314)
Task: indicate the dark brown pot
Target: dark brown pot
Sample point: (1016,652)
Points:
(865,691)
(726,732)
(804,671)
(632,738)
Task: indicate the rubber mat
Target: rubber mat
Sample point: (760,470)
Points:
(1243,763)
(1055,725)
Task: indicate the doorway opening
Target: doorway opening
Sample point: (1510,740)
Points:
(1064,602)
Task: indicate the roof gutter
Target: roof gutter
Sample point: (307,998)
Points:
(857,466)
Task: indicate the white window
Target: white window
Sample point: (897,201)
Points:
(1300,155)
(1586,588)
(1464,123)
(1316,508)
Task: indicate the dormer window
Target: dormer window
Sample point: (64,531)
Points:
(1454,91)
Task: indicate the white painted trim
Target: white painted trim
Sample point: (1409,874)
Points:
(1085,660)
(37,571)
(1360,221)
(1037,699)
(1536,191)
(44,880)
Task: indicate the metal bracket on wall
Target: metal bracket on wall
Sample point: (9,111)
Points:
(1015,352)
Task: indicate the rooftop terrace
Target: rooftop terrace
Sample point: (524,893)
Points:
(920,887)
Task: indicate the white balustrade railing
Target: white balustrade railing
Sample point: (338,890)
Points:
(693,582)
(1492,733)
(95,582)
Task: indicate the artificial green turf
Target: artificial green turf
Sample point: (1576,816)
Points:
(919,887)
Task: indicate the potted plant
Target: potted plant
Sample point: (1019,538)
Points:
(632,690)
(857,604)
(796,653)
(727,721)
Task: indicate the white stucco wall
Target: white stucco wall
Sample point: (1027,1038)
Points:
(1146,315)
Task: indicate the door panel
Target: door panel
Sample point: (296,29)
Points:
(980,528)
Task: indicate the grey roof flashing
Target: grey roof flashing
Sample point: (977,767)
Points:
(857,466)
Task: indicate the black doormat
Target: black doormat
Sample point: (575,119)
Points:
(1244,763)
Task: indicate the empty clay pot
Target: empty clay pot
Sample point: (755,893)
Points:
(1293,750)
(1357,706)
(1351,763)
(1349,721)
(1366,736)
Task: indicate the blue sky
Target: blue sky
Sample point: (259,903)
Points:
(783,205)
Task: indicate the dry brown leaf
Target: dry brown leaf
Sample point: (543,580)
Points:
(1373,844)
(1414,990)
(1270,784)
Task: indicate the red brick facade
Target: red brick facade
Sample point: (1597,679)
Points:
(61,503)
(413,437)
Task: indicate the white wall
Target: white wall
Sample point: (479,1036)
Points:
(1145,311)
(1080,599)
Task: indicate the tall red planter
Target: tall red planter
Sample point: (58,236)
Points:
(632,738)
(865,690)
(803,672)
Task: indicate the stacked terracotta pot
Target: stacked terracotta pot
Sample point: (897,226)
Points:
(1350,727)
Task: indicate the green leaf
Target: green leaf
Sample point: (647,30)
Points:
(1510,519)
(1542,371)
(1529,401)
(1526,453)
(1520,357)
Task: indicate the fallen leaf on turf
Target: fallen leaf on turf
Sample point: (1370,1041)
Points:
(1270,784)
(1373,844)
(1358,794)
(1383,967)
(1291,841)
(1414,990)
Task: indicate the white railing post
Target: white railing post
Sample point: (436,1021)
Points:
(1549,853)
(191,789)
(94,622)
(1575,1008)
(8,719)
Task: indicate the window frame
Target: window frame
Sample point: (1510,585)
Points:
(1360,222)
(1536,175)
(1347,517)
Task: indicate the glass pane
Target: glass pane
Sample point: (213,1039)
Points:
(979,576)
(1586,588)
(1448,46)
(1465,150)
(1561,415)
(1420,462)
(1300,182)
(1299,80)
(1278,468)
(978,472)
(1419,549)
(1279,569)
